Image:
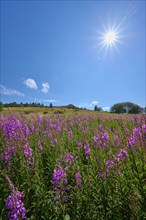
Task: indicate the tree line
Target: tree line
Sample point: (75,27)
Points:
(124,107)
(121,108)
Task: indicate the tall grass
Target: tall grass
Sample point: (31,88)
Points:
(80,167)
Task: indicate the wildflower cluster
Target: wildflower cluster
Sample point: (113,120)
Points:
(14,204)
(58,175)
(121,155)
(87,149)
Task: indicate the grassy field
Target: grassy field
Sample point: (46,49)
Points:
(72,165)
(46,110)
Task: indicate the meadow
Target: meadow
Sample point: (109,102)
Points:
(72,166)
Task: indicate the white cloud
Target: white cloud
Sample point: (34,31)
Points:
(93,103)
(50,100)
(90,104)
(9,92)
(106,108)
(45,88)
(30,83)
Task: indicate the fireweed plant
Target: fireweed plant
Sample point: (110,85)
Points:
(81,167)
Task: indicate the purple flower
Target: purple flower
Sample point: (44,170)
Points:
(136,131)
(131,141)
(95,139)
(27,150)
(69,157)
(78,178)
(144,128)
(7,154)
(14,204)
(12,128)
(122,155)
(100,127)
(117,140)
(119,172)
(79,144)
(86,149)
(58,175)
(40,148)
(69,134)
(109,164)
(54,141)
(104,136)
(65,180)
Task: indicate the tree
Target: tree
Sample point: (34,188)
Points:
(126,107)
(71,106)
(99,109)
(51,105)
(1,106)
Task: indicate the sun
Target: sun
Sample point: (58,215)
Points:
(110,37)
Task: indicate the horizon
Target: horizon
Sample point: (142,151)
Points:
(86,53)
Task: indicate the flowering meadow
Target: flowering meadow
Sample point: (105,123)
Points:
(79,167)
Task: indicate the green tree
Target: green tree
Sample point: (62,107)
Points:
(99,109)
(51,105)
(126,107)
(1,106)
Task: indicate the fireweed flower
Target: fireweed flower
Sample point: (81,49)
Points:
(27,150)
(119,172)
(40,148)
(54,141)
(14,204)
(102,175)
(12,128)
(100,127)
(80,144)
(131,141)
(95,138)
(103,141)
(136,134)
(109,164)
(136,131)
(69,157)
(58,175)
(78,178)
(87,149)
(69,134)
(122,155)
(7,154)
(117,140)
(104,137)
(144,128)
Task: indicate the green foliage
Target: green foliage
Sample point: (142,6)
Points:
(126,107)
(99,109)
(71,106)
(119,194)
(51,105)
(1,106)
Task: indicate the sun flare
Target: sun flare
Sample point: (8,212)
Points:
(110,37)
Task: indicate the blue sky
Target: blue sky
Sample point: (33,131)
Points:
(57,51)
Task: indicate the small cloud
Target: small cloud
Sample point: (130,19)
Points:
(94,103)
(90,104)
(9,92)
(107,109)
(50,100)
(45,88)
(30,83)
